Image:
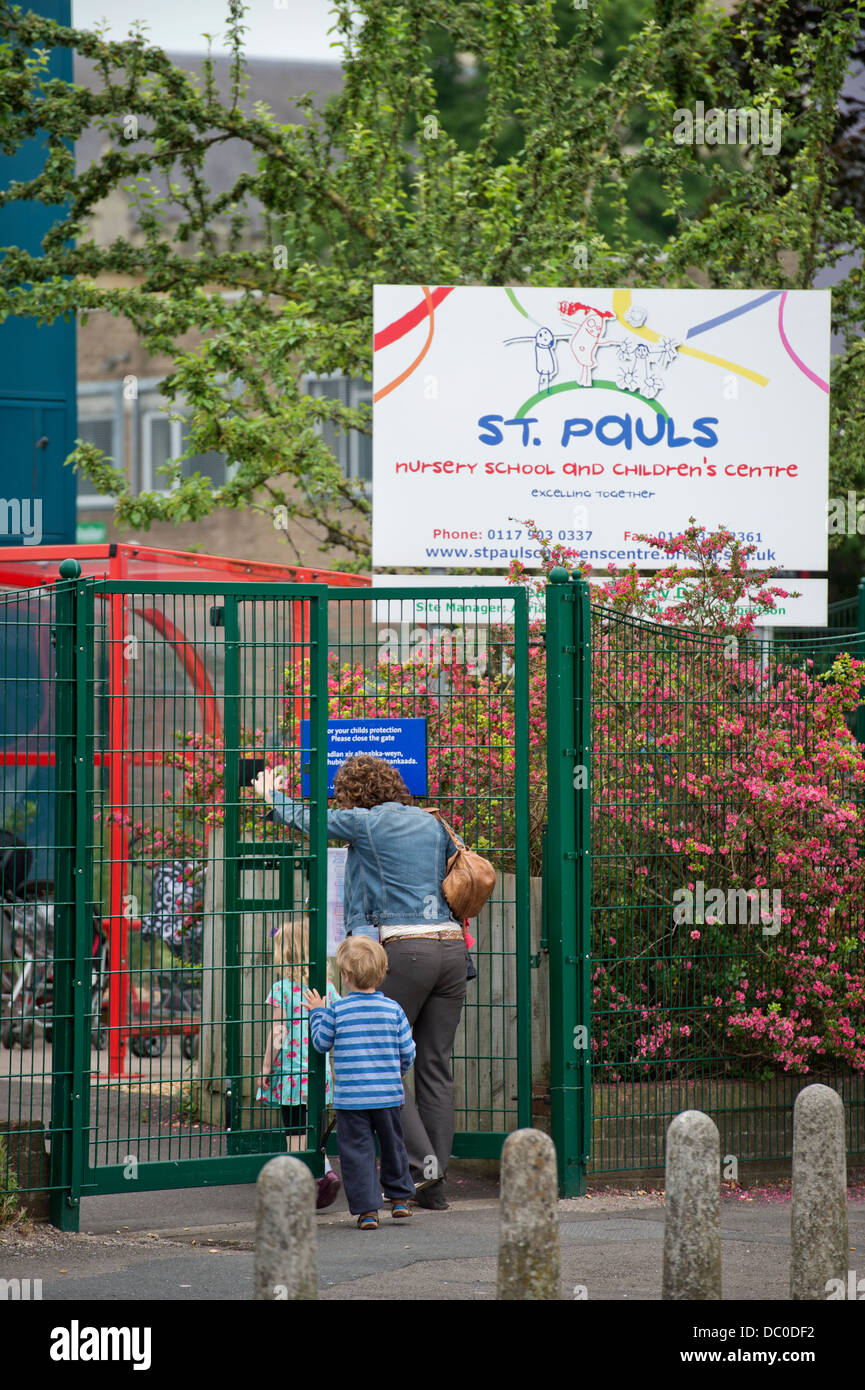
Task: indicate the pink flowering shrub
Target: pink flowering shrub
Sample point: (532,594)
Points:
(729,774)
(714,767)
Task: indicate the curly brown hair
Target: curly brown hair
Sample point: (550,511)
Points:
(366,781)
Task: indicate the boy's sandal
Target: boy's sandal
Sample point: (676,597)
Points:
(400,1208)
(368,1221)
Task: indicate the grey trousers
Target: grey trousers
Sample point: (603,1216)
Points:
(428,979)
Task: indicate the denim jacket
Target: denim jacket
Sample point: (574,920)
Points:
(395,864)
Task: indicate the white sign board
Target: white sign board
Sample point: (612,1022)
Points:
(598,414)
(809,610)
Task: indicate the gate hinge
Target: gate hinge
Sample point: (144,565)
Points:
(570,649)
(216,617)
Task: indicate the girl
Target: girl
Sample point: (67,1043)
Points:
(285,1068)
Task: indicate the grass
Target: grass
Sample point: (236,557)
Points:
(11,1209)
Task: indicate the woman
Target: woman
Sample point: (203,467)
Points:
(396,862)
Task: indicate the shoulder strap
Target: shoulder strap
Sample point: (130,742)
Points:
(457,839)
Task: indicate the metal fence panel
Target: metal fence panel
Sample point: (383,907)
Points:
(703,1001)
(37,952)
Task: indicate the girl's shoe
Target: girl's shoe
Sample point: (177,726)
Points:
(328,1187)
(400,1208)
(368,1221)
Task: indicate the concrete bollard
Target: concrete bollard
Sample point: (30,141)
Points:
(285,1266)
(818,1222)
(692,1209)
(529,1260)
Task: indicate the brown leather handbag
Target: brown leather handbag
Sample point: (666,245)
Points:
(469,880)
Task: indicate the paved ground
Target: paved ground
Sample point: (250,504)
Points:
(197,1245)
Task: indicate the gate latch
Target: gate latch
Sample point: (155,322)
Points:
(216,617)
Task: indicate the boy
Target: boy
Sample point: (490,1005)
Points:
(372,1049)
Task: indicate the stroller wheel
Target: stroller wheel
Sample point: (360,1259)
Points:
(99,1039)
(152,1046)
(6,1036)
(190,1046)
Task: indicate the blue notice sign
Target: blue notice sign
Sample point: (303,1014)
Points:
(401,742)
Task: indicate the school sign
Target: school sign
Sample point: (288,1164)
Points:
(598,414)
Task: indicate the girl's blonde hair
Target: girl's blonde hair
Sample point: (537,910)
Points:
(291,947)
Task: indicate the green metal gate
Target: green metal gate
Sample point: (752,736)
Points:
(170,878)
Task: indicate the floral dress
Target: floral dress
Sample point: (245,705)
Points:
(286,1084)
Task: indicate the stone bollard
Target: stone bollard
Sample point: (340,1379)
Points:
(285,1266)
(818,1221)
(529,1262)
(692,1209)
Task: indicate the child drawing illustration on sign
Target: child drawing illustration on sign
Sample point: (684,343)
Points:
(640,364)
(546,365)
(588,327)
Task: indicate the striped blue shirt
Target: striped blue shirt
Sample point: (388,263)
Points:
(372,1048)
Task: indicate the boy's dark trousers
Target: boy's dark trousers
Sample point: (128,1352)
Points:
(356,1132)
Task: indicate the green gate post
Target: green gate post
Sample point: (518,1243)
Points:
(583,788)
(860,653)
(232,1027)
(522,862)
(318,714)
(72,887)
(566,755)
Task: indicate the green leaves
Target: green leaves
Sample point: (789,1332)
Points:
(470,144)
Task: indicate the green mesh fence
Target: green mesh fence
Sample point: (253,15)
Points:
(35,953)
(175,915)
(727,931)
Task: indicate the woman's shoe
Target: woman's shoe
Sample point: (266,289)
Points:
(431,1195)
(328,1187)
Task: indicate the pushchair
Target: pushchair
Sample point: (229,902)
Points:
(27,952)
(175,993)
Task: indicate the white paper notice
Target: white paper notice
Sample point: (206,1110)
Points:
(335,885)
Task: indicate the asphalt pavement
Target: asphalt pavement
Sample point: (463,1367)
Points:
(197,1244)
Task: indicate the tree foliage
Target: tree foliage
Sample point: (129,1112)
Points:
(376,188)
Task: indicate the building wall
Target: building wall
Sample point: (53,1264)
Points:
(110,353)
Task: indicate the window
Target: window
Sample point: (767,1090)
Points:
(100,422)
(162,439)
(352,448)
